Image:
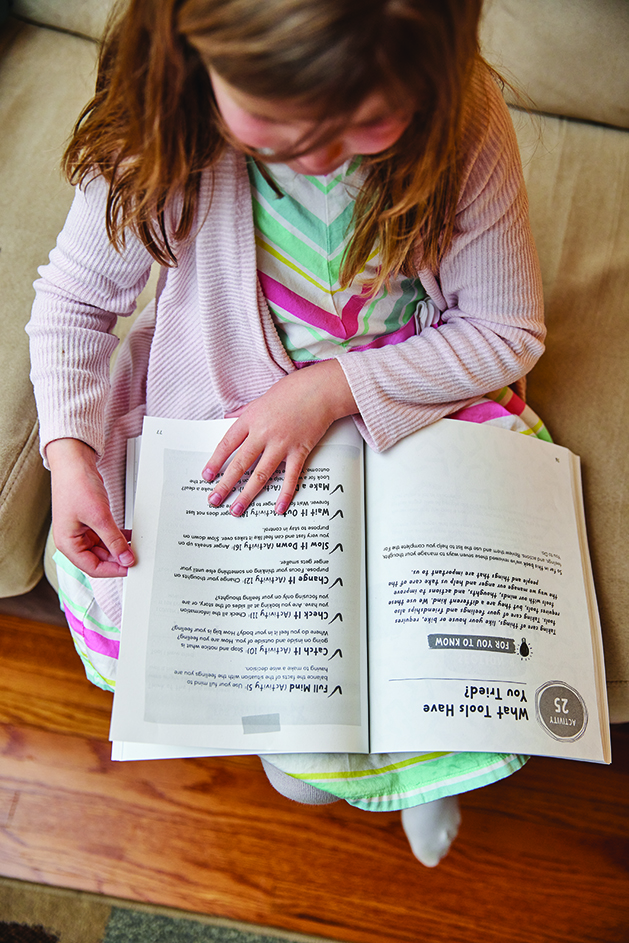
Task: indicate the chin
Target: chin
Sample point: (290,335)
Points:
(300,168)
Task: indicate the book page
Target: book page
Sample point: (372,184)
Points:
(244,633)
(482,617)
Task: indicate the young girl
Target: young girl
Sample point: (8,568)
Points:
(331,185)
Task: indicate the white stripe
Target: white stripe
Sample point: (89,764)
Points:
(435,787)
(295,231)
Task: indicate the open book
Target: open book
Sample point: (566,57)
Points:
(437,596)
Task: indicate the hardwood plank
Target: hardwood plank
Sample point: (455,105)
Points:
(43,683)
(41,604)
(542,857)
(213,836)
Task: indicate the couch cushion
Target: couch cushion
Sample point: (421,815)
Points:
(86,17)
(570,56)
(45,79)
(578,181)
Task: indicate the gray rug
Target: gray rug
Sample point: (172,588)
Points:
(34,913)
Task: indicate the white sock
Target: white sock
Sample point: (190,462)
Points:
(431,828)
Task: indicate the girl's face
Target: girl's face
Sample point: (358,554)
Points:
(273,126)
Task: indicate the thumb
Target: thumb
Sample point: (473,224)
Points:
(118,546)
(113,540)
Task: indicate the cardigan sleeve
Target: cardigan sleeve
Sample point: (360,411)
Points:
(488,289)
(79,296)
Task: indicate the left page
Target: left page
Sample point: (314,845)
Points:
(247,633)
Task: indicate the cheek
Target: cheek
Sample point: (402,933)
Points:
(244,128)
(252,131)
(375,140)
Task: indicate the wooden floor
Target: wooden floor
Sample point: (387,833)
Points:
(542,856)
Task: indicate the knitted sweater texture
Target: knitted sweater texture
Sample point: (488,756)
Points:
(208,344)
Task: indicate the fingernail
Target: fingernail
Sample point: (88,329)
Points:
(215,499)
(280,507)
(208,474)
(126,558)
(237,509)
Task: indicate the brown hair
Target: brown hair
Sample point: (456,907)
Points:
(153,127)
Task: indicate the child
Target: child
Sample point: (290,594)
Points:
(331,185)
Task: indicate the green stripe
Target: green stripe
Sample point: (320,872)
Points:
(299,216)
(412,782)
(328,235)
(81,612)
(78,610)
(310,235)
(367,314)
(302,256)
(324,187)
(272,250)
(71,569)
(327,188)
(355,774)
(296,353)
(404,308)
(106,684)
(416,794)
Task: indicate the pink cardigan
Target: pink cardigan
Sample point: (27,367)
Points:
(209,344)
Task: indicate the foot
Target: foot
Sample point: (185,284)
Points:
(431,828)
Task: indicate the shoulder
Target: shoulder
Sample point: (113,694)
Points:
(224,191)
(488,148)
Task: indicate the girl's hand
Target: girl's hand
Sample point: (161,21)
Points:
(83,527)
(283,425)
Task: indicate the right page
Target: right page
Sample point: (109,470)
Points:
(483,628)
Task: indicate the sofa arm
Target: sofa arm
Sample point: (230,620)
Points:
(45,79)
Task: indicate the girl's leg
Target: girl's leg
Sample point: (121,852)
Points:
(96,640)
(431,828)
(295,789)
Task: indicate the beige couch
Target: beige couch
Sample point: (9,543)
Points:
(571,57)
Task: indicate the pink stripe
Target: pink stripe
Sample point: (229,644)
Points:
(343,327)
(395,337)
(94,641)
(481,412)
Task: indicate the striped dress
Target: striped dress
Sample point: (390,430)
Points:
(301,234)
(302,227)
(302,230)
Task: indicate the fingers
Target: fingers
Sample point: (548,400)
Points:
(258,480)
(95,556)
(92,541)
(226,447)
(282,425)
(235,471)
(83,526)
(119,548)
(268,462)
(91,557)
(293,470)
